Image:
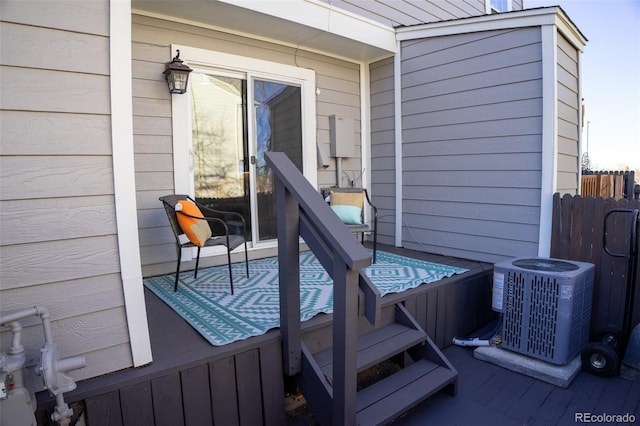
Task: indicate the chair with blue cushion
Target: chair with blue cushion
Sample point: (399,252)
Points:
(349,205)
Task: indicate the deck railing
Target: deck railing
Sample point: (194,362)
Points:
(301,212)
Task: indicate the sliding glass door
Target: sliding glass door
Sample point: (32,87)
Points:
(236,119)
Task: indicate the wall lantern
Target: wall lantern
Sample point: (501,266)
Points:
(177,74)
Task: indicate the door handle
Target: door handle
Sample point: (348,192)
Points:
(192,160)
(253,159)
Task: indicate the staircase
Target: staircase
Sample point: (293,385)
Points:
(328,376)
(424,371)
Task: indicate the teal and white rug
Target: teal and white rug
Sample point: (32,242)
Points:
(254,308)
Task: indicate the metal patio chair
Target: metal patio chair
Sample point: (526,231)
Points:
(359,226)
(220,221)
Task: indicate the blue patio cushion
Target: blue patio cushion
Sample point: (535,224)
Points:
(348,206)
(350,215)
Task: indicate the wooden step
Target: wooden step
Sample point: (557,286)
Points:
(375,347)
(394,395)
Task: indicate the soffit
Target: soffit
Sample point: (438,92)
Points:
(305,24)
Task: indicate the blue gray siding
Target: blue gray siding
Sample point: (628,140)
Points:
(383,170)
(410,12)
(472,108)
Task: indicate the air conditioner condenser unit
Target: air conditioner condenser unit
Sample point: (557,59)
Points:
(546,306)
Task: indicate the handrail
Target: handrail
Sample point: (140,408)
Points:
(320,215)
(301,211)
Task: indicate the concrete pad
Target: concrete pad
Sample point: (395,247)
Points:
(558,375)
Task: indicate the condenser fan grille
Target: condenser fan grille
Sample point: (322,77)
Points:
(542,319)
(548,265)
(546,314)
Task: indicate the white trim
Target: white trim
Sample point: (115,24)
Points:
(389,35)
(498,21)
(365,121)
(124,181)
(580,126)
(181,130)
(196,57)
(212,61)
(489,10)
(549,178)
(326,18)
(397,105)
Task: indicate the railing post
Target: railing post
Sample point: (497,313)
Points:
(345,336)
(289,276)
(301,209)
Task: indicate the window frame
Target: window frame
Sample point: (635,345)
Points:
(489,8)
(220,61)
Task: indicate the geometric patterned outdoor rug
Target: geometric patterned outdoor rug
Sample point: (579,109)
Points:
(221,318)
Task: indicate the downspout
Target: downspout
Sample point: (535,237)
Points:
(549,176)
(397,104)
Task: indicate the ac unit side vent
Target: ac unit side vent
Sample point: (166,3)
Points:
(546,310)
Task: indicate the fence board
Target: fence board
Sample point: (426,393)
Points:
(577,234)
(608,184)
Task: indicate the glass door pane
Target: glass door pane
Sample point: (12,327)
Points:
(219,143)
(278,126)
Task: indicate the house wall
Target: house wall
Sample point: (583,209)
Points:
(407,12)
(337,79)
(569,123)
(383,167)
(472,125)
(58,243)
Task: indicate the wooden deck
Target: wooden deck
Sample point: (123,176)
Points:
(488,394)
(191,382)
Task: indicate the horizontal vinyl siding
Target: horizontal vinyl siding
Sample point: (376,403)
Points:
(58,242)
(472,144)
(338,81)
(383,170)
(568,118)
(408,12)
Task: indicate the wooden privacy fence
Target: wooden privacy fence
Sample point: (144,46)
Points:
(577,234)
(608,184)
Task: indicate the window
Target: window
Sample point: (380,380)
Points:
(497,6)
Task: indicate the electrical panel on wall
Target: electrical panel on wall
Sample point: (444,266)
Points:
(342,136)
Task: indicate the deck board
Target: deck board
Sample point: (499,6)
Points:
(519,399)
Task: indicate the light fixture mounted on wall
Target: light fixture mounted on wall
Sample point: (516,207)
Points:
(177,74)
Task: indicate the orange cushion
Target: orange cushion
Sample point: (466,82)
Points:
(197,230)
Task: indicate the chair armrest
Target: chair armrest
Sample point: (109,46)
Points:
(375,209)
(208,219)
(226,216)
